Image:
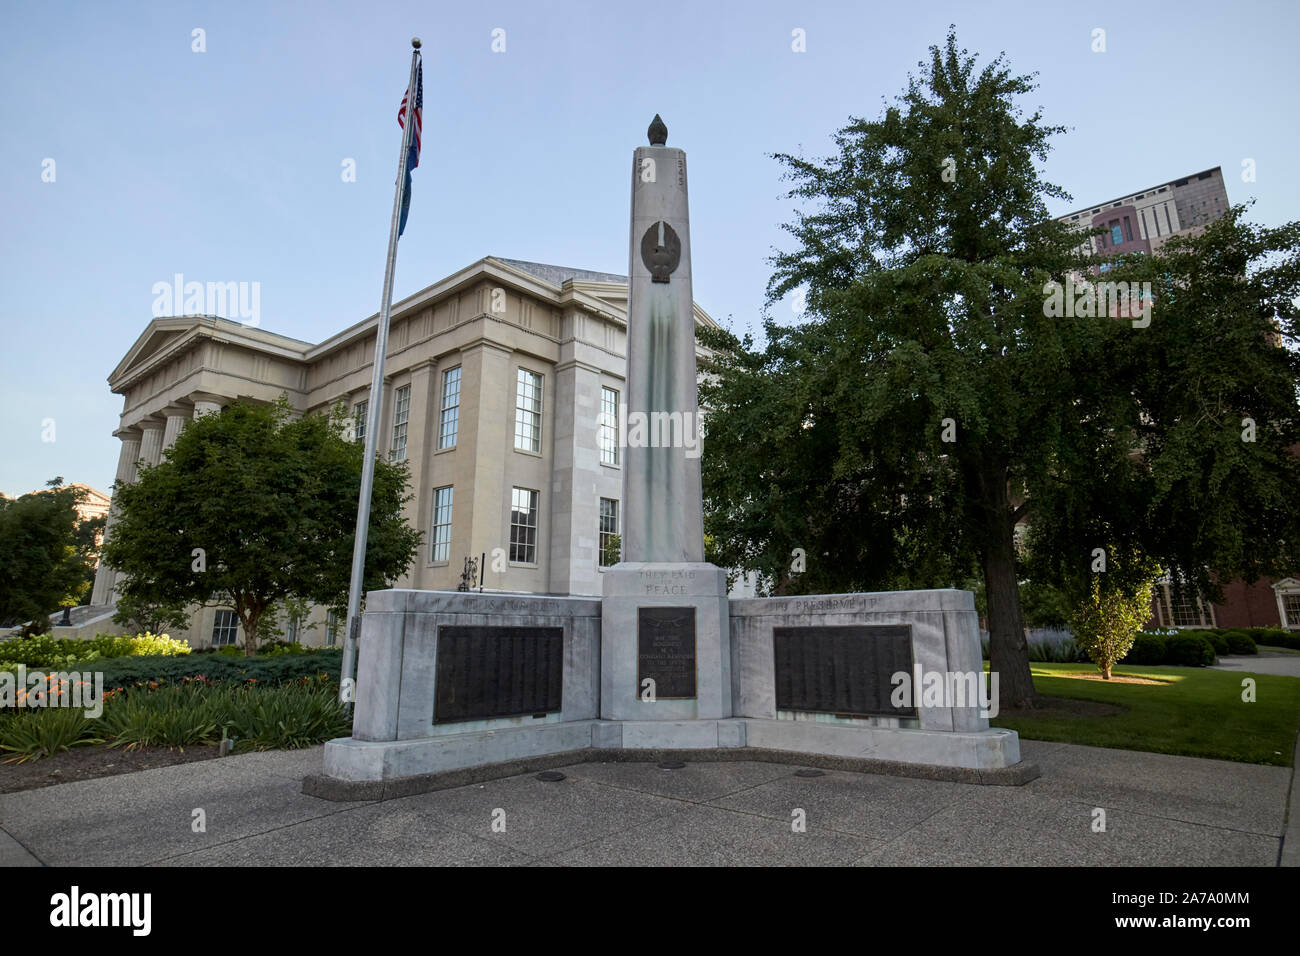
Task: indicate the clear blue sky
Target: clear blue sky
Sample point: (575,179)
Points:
(225,165)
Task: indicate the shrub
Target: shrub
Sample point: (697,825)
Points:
(1147,649)
(1239,642)
(177,716)
(282,647)
(1066,652)
(44,650)
(1217,640)
(217,668)
(142,645)
(1269,636)
(1189,650)
(193,712)
(1106,621)
(286,718)
(34,734)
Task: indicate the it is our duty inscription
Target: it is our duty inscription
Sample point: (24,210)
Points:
(666,651)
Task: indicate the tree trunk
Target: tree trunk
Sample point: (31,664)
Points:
(249,614)
(1008,650)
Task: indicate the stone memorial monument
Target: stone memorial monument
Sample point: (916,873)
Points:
(664,620)
(465,682)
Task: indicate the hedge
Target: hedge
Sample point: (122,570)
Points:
(283,669)
(1189,650)
(1147,649)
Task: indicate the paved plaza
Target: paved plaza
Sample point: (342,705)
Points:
(1159,810)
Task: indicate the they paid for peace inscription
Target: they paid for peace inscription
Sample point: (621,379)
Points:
(666,651)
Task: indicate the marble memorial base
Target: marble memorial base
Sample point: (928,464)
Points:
(528,676)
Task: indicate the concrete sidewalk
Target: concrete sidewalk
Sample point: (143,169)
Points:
(1159,810)
(1287,665)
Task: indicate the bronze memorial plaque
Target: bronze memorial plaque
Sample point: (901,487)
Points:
(497,672)
(841,669)
(665,651)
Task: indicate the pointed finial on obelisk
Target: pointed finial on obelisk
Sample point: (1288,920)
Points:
(657,132)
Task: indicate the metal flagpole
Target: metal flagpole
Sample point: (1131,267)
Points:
(347,681)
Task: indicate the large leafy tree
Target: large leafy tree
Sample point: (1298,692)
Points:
(46,554)
(251,507)
(1196,459)
(929,403)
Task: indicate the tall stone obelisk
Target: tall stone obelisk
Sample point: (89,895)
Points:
(665,652)
(661,478)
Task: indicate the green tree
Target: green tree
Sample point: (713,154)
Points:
(1116,604)
(928,402)
(1195,426)
(46,554)
(251,507)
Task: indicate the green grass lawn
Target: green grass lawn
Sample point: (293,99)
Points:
(1194,711)
(1277,650)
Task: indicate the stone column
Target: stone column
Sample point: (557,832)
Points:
(151,441)
(483,442)
(151,446)
(104,575)
(177,416)
(575,480)
(203,407)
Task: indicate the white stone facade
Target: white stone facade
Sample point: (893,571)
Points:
(490,320)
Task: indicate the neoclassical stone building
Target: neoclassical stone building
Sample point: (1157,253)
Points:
(495,384)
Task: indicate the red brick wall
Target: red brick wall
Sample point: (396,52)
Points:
(1248,605)
(1244,605)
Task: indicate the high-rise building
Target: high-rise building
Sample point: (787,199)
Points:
(1144,221)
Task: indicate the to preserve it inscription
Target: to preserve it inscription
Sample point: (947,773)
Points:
(488,671)
(841,670)
(665,651)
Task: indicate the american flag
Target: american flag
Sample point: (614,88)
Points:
(413,155)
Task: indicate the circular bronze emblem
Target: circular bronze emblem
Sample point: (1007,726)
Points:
(661,251)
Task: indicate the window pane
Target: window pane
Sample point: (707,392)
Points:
(1185,608)
(1291,604)
(401,414)
(450,418)
(361,410)
(609,553)
(225,628)
(523,526)
(609,426)
(440,539)
(528,411)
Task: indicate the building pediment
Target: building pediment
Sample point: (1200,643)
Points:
(165,338)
